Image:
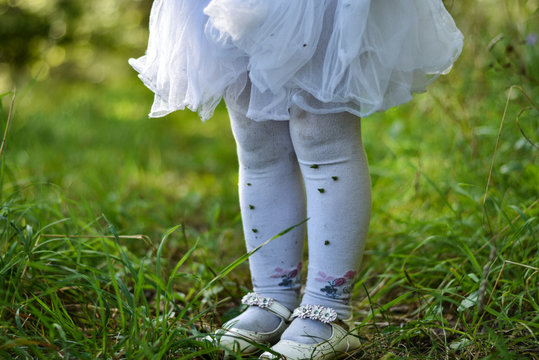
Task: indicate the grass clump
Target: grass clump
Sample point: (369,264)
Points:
(86,295)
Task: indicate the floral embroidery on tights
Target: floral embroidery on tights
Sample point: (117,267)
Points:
(337,287)
(289,278)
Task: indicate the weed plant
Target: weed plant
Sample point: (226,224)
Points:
(120,236)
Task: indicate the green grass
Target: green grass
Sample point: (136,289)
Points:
(120,236)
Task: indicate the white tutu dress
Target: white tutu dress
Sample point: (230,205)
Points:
(324,56)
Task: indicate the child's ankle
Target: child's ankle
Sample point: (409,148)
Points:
(288,298)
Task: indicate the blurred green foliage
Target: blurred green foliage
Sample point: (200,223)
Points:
(67,38)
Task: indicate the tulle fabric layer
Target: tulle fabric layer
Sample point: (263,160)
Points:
(325,56)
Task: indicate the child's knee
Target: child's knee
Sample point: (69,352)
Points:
(319,138)
(260,144)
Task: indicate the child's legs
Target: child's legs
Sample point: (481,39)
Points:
(271,200)
(337,184)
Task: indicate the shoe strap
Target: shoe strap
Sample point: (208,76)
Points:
(268,304)
(316,312)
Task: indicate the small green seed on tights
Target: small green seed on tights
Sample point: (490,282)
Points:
(321,190)
(335,178)
(255,230)
(251,207)
(314,166)
(326,242)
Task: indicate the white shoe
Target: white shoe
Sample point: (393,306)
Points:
(245,341)
(340,342)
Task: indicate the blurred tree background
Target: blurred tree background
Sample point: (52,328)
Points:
(68,39)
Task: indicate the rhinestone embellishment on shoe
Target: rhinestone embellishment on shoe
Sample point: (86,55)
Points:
(316,312)
(254,299)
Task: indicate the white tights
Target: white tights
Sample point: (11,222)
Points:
(313,166)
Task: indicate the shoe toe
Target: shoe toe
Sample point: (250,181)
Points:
(290,350)
(246,342)
(340,343)
(237,341)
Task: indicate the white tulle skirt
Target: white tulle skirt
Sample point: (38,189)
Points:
(324,56)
